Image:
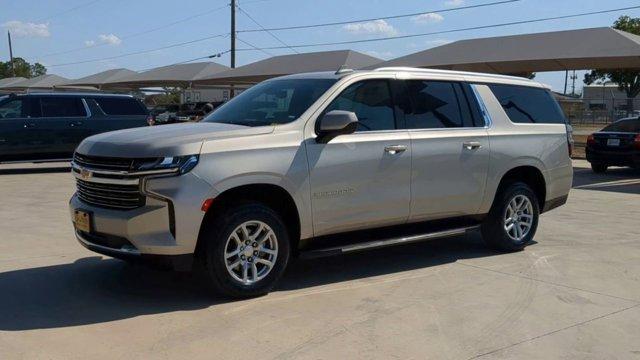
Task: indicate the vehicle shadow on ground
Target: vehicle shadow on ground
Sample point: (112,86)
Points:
(34,170)
(616,179)
(95,290)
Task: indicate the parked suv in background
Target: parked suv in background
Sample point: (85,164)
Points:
(326,163)
(49,126)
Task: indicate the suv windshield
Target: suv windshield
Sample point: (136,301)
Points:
(271,102)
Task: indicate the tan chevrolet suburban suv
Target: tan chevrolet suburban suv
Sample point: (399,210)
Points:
(325,163)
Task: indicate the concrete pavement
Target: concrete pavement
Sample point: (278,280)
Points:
(575,293)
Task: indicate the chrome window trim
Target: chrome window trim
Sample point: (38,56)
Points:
(488,122)
(86,108)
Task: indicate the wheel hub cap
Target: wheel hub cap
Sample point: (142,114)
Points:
(251,251)
(518,217)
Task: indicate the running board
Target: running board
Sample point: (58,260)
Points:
(376,244)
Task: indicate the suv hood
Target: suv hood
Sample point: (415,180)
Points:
(164,140)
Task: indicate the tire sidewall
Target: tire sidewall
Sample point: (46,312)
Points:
(495,232)
(215,255)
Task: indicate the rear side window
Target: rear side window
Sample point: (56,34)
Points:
(12,109)
(120,106)
(528,104)
(63,106)
(437,104)
(371,101)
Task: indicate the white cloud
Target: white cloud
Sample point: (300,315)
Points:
(27,29)
(89,43)
(110,39)
(428,18)
(454,3)
(371,27)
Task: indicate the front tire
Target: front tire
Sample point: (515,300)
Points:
(598,168)
(513,218)
(247,250)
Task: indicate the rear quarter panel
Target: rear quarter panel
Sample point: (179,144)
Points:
(543,146)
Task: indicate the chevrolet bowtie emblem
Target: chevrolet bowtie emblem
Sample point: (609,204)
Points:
(85,174)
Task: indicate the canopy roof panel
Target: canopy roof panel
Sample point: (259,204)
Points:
(172,75)
(290,64)
(47,81)
(102,78)
(11,80)
(594,48)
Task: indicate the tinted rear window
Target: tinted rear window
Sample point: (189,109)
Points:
(528,104)
(120,106)
(66,106)
(631,125)
(437,104)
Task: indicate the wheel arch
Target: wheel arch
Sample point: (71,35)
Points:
(271,195)
(528,174)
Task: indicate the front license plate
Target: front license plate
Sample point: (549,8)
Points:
(82,221)
(613,142)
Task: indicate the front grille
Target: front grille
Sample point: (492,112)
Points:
(114,196)
(109,163)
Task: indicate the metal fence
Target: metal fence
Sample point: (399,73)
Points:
(599,110)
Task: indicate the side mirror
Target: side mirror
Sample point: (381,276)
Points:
(336,122)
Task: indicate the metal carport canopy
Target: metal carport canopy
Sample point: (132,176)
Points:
(171,75)
(593,48)
(289,64)
(101,78)
(39,82)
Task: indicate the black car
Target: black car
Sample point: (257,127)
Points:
(618,144)
(49,126)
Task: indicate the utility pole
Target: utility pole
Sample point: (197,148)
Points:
(233,42)
(13,66)
(573,83)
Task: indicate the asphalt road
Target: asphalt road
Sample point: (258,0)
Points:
(573,294)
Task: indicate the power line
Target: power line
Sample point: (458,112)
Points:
(253,46)
(142,32)
(379,18)
(68,10)
(451,30)
(268,32)
(140,52)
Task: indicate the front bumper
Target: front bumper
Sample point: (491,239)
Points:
(167,224)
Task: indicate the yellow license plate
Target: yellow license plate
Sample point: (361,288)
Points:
(82,220)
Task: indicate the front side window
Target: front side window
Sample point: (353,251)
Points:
(62,106)
(528,104)
(271,102)
(371,101)
(437,104)
(12,109)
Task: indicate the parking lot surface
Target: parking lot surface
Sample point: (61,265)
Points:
(574,293)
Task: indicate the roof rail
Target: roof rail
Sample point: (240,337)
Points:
(451,72)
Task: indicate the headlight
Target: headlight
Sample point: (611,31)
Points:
(179,164)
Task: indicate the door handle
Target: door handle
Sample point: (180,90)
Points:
(395,149)
(29,125)
(76,123)
(471,145)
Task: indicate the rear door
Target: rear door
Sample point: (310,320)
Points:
(115,113)
(450,149)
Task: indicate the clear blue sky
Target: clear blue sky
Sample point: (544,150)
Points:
(103,28)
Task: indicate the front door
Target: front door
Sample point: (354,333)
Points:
(18,140)
(361,180)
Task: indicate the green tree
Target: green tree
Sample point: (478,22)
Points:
(628,80)
(22,68)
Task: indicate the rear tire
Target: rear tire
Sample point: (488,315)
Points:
(598,168)
(247,250)
(513,218)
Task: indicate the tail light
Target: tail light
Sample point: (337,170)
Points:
(591,140)
(636,142)
(151,120)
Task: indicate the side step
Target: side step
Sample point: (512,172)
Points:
(337,250)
